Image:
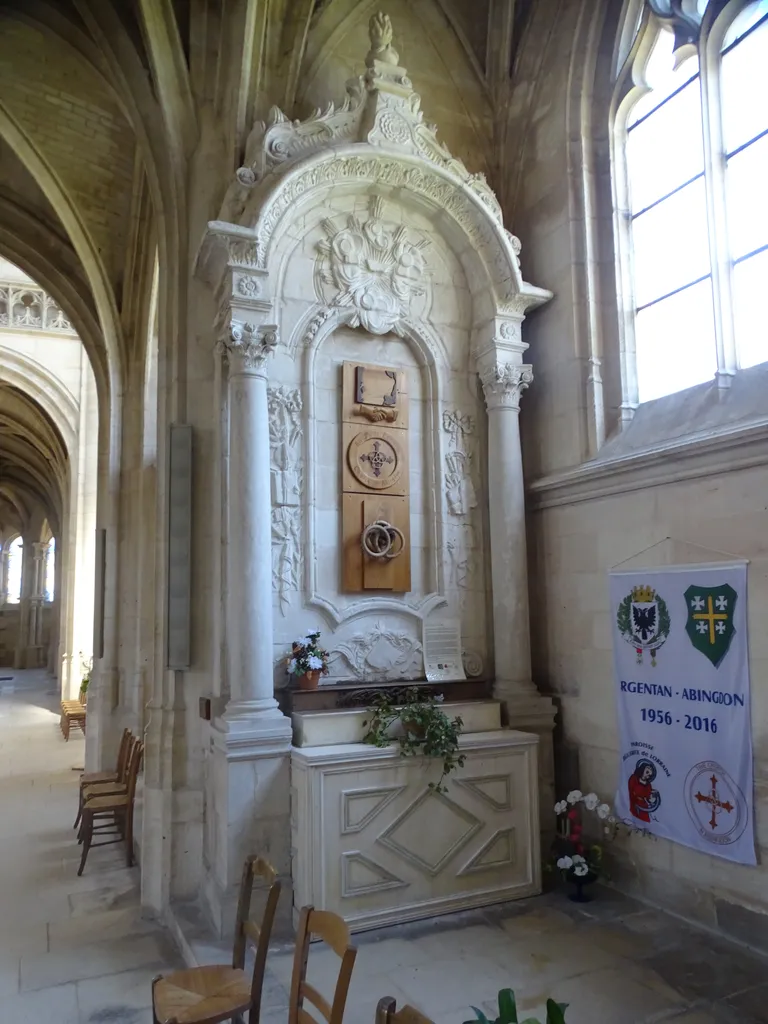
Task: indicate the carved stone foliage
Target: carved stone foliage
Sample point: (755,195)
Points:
(380,655)
(375,268)
(247,346)
(285,432)
(504,383)
(459,487)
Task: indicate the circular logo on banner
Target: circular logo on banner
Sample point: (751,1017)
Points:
(715,803)
(375,460)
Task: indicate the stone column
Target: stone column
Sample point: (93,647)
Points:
(503,383)
(248,775)
(526,709)
(252,705)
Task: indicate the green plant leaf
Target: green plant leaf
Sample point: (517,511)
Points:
(556,1012)
(480,1016)
(507,1007)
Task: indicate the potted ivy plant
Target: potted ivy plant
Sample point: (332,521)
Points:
(508,1012)
(308,661)
(426,730)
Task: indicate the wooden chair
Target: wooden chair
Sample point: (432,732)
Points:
(332,929)
(115,811)
(115,778)
(73,712)
(387,1013)
(205,995)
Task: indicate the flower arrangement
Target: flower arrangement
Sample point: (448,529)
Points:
(581,861)
(508,1011)
(426,729)
(308,657)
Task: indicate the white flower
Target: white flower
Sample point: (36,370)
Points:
(603,811)
(314,662)
(591,800)
(560,807)
(565,863)
(607,830)
(578,859)
(574,796)
(292,666)
(612,819)
(580,870)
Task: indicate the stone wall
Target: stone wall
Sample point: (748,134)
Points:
(690,467)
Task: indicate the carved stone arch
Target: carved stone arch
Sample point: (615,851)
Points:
(31,377)
(466,216)
(317,327)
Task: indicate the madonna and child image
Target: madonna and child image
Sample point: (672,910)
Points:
(643,798)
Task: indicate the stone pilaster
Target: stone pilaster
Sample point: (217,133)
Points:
(248,782)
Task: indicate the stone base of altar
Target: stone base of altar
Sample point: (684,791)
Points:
(374,843)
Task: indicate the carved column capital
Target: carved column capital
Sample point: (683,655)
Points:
(503,384)
(247,346)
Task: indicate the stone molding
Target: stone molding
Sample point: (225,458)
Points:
(690,458)
(247,347)
(504,383)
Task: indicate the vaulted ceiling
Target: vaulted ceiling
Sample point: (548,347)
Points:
(103,103)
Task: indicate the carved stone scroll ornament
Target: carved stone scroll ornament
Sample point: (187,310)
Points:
(375,268)
(381,654)
(247,346)
(504,383)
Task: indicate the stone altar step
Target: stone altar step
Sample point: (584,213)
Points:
(325,728)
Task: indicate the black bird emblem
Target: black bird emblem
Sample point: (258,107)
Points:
(644,620)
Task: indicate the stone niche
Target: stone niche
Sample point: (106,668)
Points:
(356,238)
(377,635)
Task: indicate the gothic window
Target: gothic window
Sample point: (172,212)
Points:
(15,553)
(691,160)
(50,570)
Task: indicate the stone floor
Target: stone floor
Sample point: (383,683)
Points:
(76,951)
(72,950)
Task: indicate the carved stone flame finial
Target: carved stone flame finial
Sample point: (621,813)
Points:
(380,33)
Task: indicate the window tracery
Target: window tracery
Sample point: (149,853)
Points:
(691,159)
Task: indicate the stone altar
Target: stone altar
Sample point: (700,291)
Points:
(355,237)
(372,842)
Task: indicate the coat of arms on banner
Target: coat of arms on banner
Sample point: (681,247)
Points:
(643,621)
(715,803)
(710,620)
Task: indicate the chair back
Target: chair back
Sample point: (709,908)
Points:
(333,930)
(249,931)
(134,765)
(123,755)
(388,1013)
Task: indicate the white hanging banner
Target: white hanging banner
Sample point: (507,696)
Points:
(682,693)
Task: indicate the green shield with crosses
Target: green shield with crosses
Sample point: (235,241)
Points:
(710,620)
